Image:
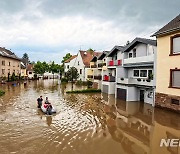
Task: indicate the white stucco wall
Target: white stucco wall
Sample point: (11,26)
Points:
(71,64)
(80,66)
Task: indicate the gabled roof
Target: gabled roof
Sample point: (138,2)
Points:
(71,58)
(172,26)
(87,56)
(137,41)
(7,53)
(114,50)
(94,59)
(103,54)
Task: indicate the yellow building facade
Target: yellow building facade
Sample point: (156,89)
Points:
(168,66)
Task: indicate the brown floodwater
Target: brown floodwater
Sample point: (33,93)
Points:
(83,124)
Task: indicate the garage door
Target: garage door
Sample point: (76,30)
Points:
(105,89)
(121,94)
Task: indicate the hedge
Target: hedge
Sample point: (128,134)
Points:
(85,91)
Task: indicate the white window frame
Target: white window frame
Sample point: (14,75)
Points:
(139,73)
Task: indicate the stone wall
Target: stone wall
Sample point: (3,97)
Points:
(165,101)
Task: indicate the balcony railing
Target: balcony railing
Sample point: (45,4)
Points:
(109,78)
(90,76)
(98,77)
(115,63)
(144,59)
(101,64)
(142,82)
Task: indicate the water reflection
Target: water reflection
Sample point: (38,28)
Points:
(84,123)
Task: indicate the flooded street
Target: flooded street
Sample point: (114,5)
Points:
(83,124)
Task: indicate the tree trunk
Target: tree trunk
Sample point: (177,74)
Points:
(71,85)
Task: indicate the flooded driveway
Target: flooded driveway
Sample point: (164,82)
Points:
(83,124)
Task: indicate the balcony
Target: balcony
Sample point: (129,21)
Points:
(101,64)
(98,77)
(114,62)
(138,60)
(109,78)
(93,66)
(90,76)
(132,81)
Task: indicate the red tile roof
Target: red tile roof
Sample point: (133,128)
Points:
(68,60)
(88,55)
(30,67)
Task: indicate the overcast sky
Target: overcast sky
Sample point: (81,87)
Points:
(48,29)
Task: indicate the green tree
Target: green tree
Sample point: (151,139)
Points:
(25,59)
(90,50)
(66,57)
(25,56)
(72,74)
(41,68)
(54,68)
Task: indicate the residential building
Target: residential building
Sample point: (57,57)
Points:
(30,71)
(69,63)
(9,63)
(23,70)
(113,61)
(82,62)
(94,73)
(168,65)
(135,79)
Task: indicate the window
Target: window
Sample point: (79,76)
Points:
(143,73)
(68,66)
(175,101)
(9,63)
(150,74)
(30,72)
(80,71)
(175,45)
(78,62)
(3,63)
(116,56)
(3,71)
(130,55)
(175,78)
(136,73)
(134,52)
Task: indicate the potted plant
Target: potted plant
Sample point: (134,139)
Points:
(138,79)
(148,80)
(122,79)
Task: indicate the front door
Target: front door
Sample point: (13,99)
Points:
(141,95)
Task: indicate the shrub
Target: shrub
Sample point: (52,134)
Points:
(2,92)
(89,83)
(64,80)
(13,77)
(85,91)
(79,83)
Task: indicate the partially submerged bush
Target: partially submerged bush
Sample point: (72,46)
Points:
(64,80)
(2,92)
